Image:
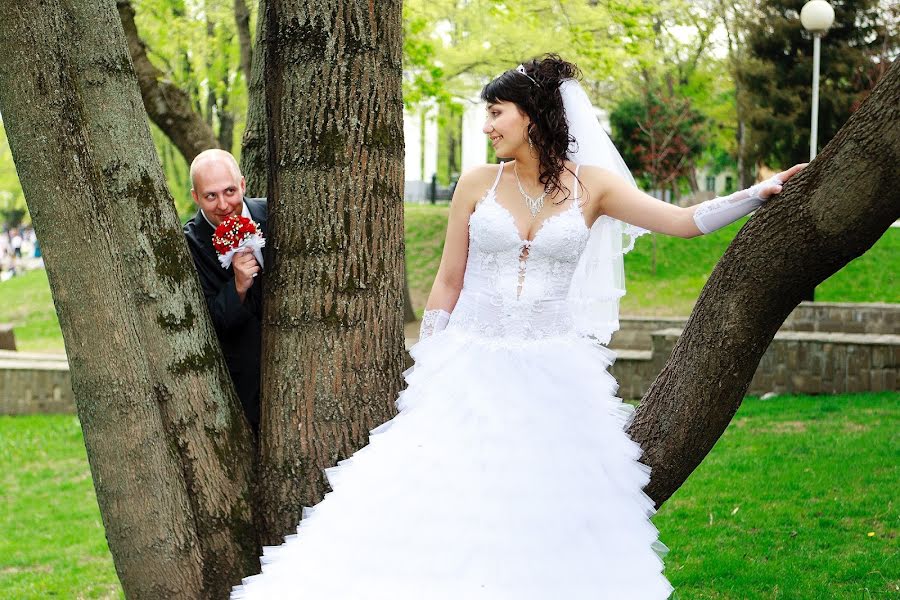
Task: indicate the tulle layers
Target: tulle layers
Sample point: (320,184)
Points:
(506,475)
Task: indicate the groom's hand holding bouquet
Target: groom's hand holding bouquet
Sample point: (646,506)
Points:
(239,243)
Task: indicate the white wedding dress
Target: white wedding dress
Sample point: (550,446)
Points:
(507,474)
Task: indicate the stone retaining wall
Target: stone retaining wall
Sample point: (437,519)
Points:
(845,317)
(34,384)
(831,317)
(794,363)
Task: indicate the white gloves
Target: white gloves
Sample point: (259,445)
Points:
(719,212)
(432,322)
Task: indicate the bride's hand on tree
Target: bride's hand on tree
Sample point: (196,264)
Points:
(775,184)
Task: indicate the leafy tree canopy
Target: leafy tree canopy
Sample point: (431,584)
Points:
(777,71)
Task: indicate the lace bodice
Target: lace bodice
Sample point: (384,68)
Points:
(516,288)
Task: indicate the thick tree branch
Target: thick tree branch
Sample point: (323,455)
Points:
(168,106)
(828,215)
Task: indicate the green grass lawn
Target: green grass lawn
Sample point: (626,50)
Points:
(796,501)
(25,302)
(681,270)
(52,543)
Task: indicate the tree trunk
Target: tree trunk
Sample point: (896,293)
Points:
(409,313)
(167,105)
(745,172)
(693,184)
(226,126)
(828,215)
(217,104)
(333,331)
(254,147)
(168,449)
(211,100)
(242,24)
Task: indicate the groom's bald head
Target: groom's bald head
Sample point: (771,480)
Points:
(212,157)
(217,185)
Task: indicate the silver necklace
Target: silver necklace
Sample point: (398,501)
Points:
(535,205)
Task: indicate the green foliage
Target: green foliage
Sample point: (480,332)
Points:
(783,506)
(423,77)
(196,47)
(450,142)
(659,135)
(777,72)
(453,48)
(177,172)
(684,73)
(711,92)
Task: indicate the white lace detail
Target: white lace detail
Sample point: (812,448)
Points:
(719,212)
(433,321)
(516,288)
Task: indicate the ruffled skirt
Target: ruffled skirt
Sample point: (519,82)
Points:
(507,475)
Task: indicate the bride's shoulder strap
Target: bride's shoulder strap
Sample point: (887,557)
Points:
(497,179)
(493,187)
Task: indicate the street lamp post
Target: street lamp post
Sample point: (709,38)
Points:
(816,17)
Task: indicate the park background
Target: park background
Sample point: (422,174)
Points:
(701,98)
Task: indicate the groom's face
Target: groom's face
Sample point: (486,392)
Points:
(218,191)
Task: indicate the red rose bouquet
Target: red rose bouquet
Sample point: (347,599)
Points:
(237,233)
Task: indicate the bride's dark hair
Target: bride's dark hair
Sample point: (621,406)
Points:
(536,93)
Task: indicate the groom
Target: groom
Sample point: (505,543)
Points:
(233,295)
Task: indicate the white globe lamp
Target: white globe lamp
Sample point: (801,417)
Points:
(817,15)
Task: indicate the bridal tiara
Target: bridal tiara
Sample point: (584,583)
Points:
(521,69)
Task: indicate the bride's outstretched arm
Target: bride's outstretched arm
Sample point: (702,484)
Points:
(611,195)
(448,282)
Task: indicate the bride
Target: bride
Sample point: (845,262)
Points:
(507,474)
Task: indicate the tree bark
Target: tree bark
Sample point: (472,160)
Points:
(226,125)
(254,145)
(409,313)
(169,452)
(167,105)
(333,331)
(831,213)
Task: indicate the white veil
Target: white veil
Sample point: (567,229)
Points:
(599,279)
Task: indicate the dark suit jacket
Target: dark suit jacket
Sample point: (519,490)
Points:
(238,325)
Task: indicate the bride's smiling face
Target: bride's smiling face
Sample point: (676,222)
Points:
(507,127)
